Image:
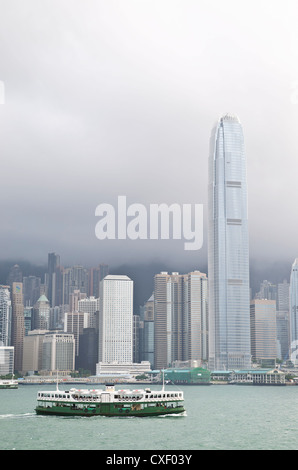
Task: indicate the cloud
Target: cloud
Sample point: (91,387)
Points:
(119,98)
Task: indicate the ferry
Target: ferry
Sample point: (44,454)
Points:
(8,383)
(110,402)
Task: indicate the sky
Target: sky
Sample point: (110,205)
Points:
(108,98)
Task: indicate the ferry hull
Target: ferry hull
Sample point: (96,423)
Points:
(108,410)
(10,386)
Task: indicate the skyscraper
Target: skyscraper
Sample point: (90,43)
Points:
(195,316)
(41,314)
(228,256)
(168,307)
(5,316)
(18,324)
(180,318)
(53,278)
(294,308)
(263,329)
(116,320)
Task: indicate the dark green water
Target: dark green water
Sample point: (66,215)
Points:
(218,417)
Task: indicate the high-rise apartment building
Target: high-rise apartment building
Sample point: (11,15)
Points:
(18,323)
(116,320)
(180,318)
(228,256)
(5,316)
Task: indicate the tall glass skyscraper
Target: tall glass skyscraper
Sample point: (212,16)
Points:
(228,255)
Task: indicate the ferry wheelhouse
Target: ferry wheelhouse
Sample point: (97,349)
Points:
(110,402)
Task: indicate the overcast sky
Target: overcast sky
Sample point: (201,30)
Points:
(118,97)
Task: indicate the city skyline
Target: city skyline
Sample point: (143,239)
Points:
(118,100)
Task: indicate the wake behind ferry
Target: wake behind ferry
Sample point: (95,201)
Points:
(110,402)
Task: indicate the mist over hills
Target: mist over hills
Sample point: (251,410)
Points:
(143,274)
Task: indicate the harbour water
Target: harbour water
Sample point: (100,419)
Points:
(218,417)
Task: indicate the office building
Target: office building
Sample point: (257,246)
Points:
(283,319)
(147,331)
(263,329)
(5,316)
(58,355)
(88,350)
(180,318)
(195,317)
(228,255)
(32,350)
(54,279)
(294,311)
(15,275)
(168,306)
(116,319)
(18,324)
(267,291)
(6,360)
(31,290)
(41,314)
(91,306)
(75,322)
(74,279)
(95,277)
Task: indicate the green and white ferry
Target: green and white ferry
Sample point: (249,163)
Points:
(8,383)
(110,402)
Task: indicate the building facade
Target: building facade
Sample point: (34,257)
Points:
(58,353)
(6,360)
(91,306)
(41,314)
(18,324)
(180,318)
(228,256)
(116,319)
(32,351)
(263,329)
(147,331)
(294,312)
(5,316)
